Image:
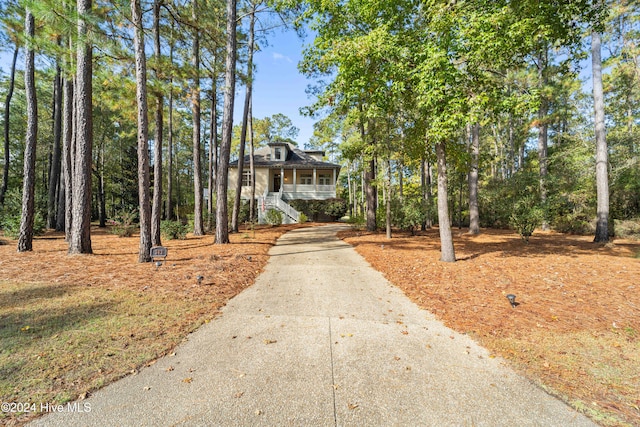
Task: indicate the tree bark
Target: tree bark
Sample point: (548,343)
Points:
(543,134)
(474,214)
(213,150)
(198,228)
(156,210)
(25,238)
(222,215)
(169,209)
(252,167)
(447,253)
(80,239)
(245,119)
(54,175)
(68,150)
(388,201)
(602,161)
(143,130)
(7,116)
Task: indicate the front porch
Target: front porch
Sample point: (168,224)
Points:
(306,184)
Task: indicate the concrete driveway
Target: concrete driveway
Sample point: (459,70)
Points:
(322,339)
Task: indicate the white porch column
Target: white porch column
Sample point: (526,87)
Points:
(315,180)
(281,179)
(335,184)
(294,181)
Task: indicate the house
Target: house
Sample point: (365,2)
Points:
(283,173)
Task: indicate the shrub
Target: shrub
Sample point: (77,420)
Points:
(303,218)
(11,225)
(11,215)
(629,229)
(173,230)
(123,224)
(273,217)
(526,216)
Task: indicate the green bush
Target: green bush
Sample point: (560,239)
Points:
(273,217)
(526,216)
(303,218)
(122,225)
(629,229)
(173,230)
(333,208)
(11,225)
(11,215)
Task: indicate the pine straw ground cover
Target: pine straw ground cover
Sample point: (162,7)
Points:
(72,324)
(576,331)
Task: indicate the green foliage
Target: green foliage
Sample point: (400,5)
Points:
(628,229)
(273,217)
(314,209)
(11,215)
(303,218)
(173,230)
(412,214)
(526,216)
(122,225)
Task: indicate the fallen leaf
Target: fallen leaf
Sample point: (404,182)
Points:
(270,341)
(405,332)
(352,405)
(169,369)
(147,388)
(187,380)
(238,395)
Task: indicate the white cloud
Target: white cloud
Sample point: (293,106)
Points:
(280,57)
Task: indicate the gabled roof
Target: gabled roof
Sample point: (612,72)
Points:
(296,158)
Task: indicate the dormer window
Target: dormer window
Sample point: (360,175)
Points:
(278,153)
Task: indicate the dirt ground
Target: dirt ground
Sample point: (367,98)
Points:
(575,332)
(114,262)
(576,328)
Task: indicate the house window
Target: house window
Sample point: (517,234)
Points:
(306,179)
(324,180)
(246,178)
(278,153)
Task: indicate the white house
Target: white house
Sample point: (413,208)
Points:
(283,173)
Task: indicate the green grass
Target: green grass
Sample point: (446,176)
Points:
(60,341)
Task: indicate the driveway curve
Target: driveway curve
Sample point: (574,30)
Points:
(322,339)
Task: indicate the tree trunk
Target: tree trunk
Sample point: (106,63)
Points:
(143,130)
(169,209)
(80,239)
(252,167)
(222,215)
(156,210)
(102,196)
(372,195)
(213,149)
(25,238)
(245,119)
(68,150)
(474,215)
(447,253)
(7,116)
(543,134)
(198,228)
(388,201)
(602,161)
(54,174)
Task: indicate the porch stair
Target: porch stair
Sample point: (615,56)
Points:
(275,201)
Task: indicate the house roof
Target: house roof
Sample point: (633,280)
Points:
(296,158)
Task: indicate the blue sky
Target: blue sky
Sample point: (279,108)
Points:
(278,86)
